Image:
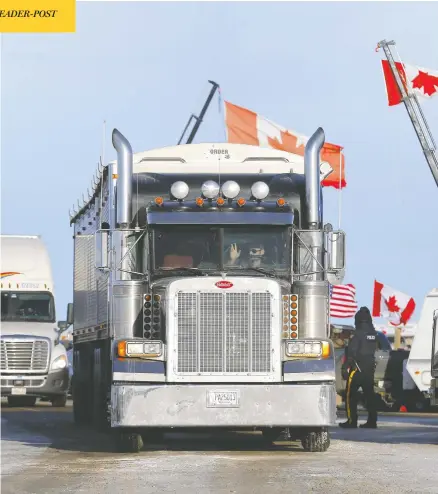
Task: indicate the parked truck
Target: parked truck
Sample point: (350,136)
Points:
(417,365)
(32,360)
(434,362)
(201,294)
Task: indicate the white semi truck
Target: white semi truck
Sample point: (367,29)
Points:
(201,290)
(32,360)
(434,362)
(418,365)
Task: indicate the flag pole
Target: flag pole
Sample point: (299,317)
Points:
(340,191)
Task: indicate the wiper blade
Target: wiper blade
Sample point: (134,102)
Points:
(258,270)
(197,271)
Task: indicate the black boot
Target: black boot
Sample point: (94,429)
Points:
(368,425)
(348,425)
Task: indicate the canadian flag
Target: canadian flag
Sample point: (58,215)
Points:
(247,127)
(418,80)
(391,304)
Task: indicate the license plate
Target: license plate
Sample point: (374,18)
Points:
(18,391)
(223,399)
(381,384)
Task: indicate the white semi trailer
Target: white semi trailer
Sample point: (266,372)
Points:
(32,360)
(201,290)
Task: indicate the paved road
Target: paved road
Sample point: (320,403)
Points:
(44,452)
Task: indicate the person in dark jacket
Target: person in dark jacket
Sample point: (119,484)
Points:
(360,365)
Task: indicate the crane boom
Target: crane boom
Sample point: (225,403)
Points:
(415,113)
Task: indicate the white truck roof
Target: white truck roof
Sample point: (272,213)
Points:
(225,158)
(25,263)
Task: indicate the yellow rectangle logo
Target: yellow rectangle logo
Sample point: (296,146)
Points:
(38,16)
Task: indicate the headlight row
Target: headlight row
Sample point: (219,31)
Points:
(307,349)
(139,348)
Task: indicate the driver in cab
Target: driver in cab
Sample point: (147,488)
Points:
(252,257)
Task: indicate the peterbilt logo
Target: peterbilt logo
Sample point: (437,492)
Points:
(224,284)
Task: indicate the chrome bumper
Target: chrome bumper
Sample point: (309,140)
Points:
(260,405)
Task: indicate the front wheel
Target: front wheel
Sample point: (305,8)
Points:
(59,401)
(316,440)
(129,442)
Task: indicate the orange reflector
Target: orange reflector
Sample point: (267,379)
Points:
(220,201)
(199,201)
(147,297)
(417,372)
(285,297)
(325,349)
(159,201)
(294,320)
(294,328)
(281,202)
(293,305)
(157,298)
(115,175)
(294,298)
(294,335)
(293,312)
(121,348)
(241,202)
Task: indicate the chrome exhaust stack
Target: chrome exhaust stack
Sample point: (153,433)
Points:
(313,180)
(124,182)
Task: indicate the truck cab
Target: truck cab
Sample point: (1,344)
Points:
(33,362)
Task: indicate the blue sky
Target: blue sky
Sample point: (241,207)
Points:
(143,67)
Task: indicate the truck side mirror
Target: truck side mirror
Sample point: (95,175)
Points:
(101,249)
(62,326)
(70,314)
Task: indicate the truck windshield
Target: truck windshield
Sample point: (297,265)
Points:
(233,248)
(27,306)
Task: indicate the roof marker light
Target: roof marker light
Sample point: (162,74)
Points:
(179,190)
(159,201)
(230,189)
(199,201)
(281,202)
(260,190)
(210,189)
(220,201)
(241,202)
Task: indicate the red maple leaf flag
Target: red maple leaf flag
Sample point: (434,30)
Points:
(247,127)
(418,80)
(392,304)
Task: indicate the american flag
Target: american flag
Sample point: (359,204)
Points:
(343,301)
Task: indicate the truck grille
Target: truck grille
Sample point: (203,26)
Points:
(224,333)
(25,355)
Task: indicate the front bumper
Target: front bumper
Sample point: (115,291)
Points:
(52,384)
(260,405)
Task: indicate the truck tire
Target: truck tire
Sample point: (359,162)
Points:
(21,401)
(129,442)
(316,441)
(59,401)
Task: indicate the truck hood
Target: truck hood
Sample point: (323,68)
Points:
(29,328)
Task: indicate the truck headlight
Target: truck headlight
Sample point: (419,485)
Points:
(59,363)
(308,349)
(139,348)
